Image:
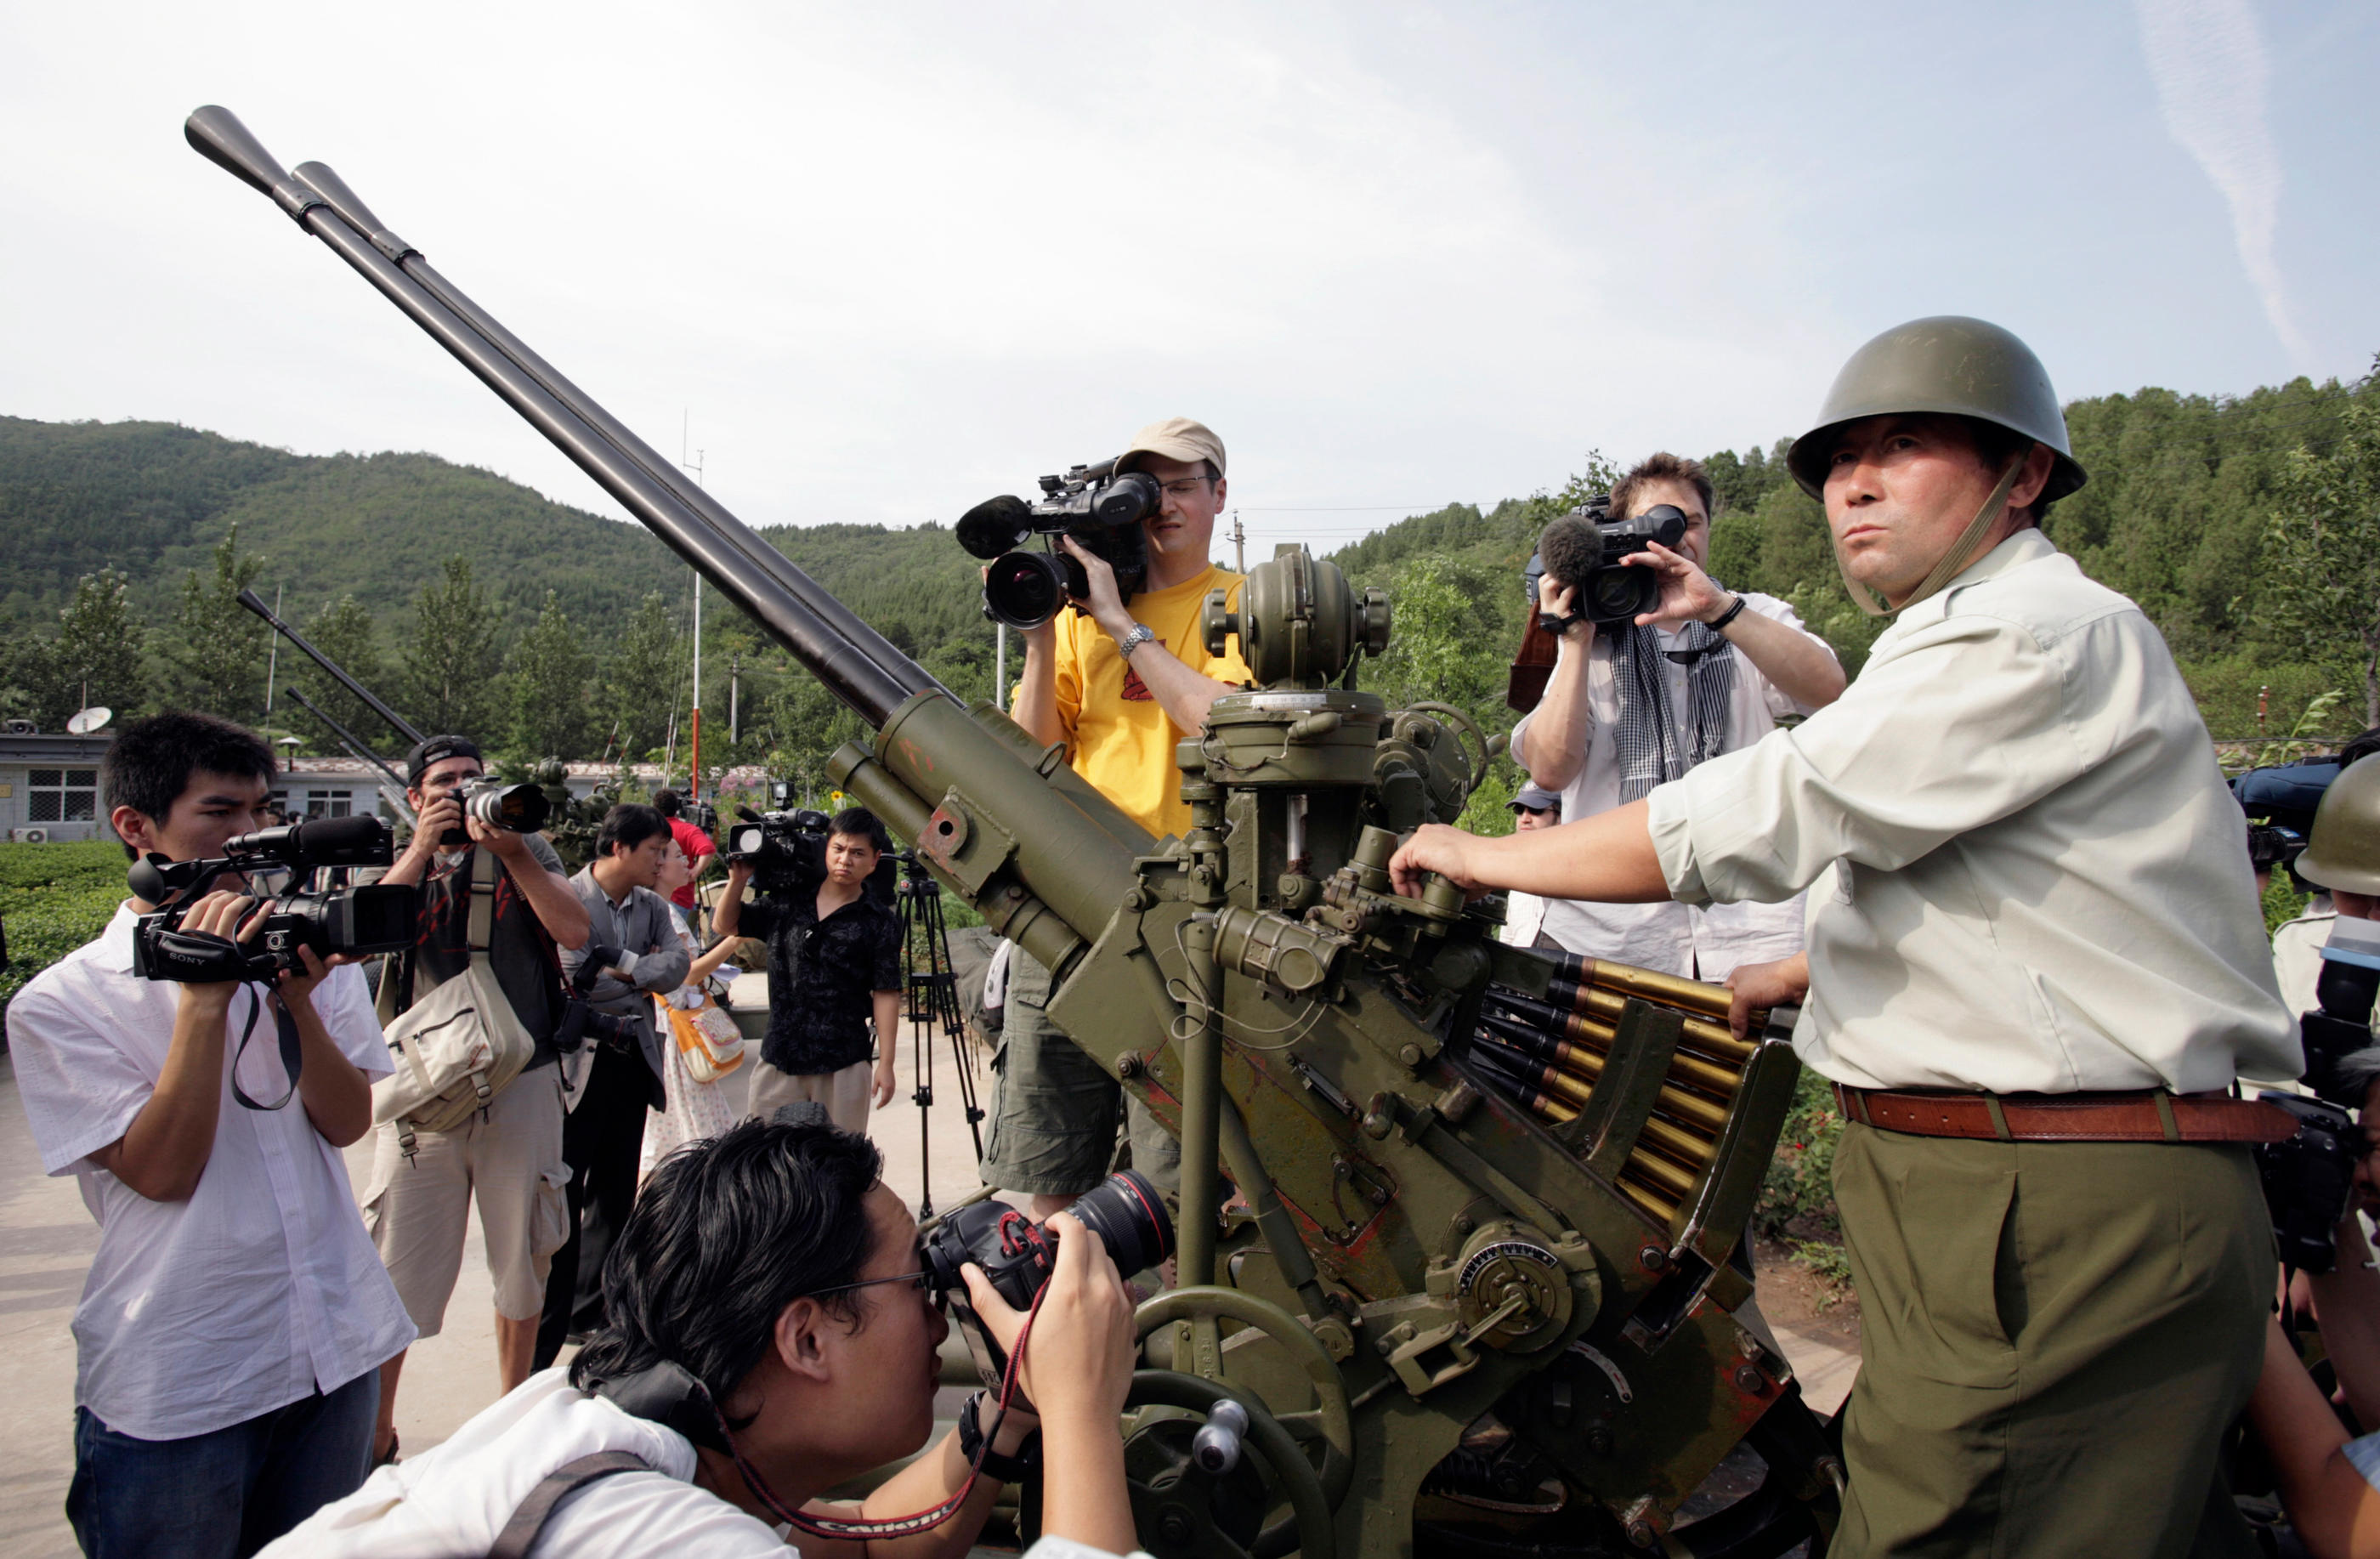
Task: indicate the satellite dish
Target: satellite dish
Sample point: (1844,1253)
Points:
(86,721)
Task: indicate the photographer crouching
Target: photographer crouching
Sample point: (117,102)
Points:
(614,1076)
(495,907)
(772,1332)
(230,1332)
(835,967)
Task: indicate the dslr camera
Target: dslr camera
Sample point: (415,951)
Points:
(1100,509)
(581,1024)
(1587,548)
(378,918)
(2308,1179)
(1018,1255)
(517,808)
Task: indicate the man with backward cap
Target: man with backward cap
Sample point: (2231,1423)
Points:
(2035,960)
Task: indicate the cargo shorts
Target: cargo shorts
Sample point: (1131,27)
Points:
(1057,1114)
(417,1211)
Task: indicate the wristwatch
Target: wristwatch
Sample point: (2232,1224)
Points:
(1141,634)
(1007,1469)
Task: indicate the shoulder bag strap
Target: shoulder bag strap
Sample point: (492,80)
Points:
(530,1516)
(485,869)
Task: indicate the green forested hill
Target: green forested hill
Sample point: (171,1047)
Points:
(571,654)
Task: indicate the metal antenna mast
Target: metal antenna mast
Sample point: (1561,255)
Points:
(694,726)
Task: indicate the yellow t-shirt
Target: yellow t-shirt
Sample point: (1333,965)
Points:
(1118,736)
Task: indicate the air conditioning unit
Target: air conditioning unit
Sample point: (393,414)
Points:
(29,835)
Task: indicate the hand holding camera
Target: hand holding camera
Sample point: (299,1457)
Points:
(1079,1365)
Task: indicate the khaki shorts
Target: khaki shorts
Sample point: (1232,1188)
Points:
(1055,1121)
(844,1093)
(417,1210)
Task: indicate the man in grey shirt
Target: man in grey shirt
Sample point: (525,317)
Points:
(611,1088)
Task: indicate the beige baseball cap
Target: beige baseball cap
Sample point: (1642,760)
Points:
(1176,438)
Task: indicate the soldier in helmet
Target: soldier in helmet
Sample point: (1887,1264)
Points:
(2342,859)
(2036,961)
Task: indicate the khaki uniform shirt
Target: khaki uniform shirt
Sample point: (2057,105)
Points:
(2033,878)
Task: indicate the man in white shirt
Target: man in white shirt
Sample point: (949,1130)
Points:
(229,1335)
(1534,806)
(2035,959)
(1629,706)
(769,1336)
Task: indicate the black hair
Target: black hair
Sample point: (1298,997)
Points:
(149,763)
(627,825)
(1996,447)
(2358,747)
(666,802)
(859,819)
(727,1233)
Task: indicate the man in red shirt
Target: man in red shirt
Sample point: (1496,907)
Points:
(700,847)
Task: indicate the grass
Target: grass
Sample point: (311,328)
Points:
(53,899)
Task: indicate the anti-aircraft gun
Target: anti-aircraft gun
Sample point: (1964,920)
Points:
(1476,1295)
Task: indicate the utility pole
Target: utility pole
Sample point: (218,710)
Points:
(694,726)
(735,696)
(1239,544)
(271,664)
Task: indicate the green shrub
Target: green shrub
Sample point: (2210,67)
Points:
(54,898)
(1799,1198)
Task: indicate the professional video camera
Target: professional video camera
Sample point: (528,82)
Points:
(1100,509)
(2309,1179)
(1018,1255)
(517,808)
(374,918)
(581,1024)
(1585,548)
(787,847)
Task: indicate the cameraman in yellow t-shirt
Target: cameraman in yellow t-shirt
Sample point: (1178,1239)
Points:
(1120,682)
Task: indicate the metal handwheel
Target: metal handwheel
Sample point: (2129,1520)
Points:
(1181,1510)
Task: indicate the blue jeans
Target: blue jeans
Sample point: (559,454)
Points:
(223,1495)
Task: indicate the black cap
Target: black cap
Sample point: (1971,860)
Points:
(431,751)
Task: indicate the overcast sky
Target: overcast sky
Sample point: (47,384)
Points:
(886,261)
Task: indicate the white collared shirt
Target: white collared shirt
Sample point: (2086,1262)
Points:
(2034,874)
(260,1288)
(1704,941)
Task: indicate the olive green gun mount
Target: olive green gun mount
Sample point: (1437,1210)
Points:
(1474,1289)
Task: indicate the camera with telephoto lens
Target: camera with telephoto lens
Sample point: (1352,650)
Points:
(1586,549)
(1100,509)
(377,918)
(517,808)
(1018,1255)
(581,1024)
(2309,1179)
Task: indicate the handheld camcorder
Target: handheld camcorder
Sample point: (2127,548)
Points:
(1585,548)
(1018,1255)
(2308,1179)
(517,808)
(1100,509)
(378,918)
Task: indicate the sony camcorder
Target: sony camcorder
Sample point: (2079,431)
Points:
(1101,510)
(378,918)
(1586,549)
(786,848)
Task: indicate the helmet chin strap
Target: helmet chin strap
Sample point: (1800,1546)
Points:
(1954,561)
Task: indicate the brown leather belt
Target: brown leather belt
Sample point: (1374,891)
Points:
(2148,1115)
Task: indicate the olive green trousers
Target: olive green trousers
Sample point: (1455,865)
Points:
(2055,1338)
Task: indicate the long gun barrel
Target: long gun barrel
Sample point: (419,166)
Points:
(399,723)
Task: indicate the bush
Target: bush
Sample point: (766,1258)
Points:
(1799,1198)
(54,898)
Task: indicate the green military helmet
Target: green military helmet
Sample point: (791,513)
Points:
(2344,853)
(1948,364)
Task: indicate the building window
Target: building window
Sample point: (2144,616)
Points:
(62,795)
(327,803)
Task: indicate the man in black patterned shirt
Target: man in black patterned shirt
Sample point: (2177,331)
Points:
(834,961)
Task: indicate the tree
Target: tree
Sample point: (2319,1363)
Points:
(645,678)
(450,667)
(551,673)
(218,656)
(2324,542)
(343,630)
(95,657)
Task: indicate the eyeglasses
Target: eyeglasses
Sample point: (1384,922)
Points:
(921,1280)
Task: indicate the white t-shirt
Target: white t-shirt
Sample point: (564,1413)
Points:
(261,1286)
(1701,941)
(453,1500)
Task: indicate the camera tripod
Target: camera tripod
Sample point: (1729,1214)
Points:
(933,1000)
